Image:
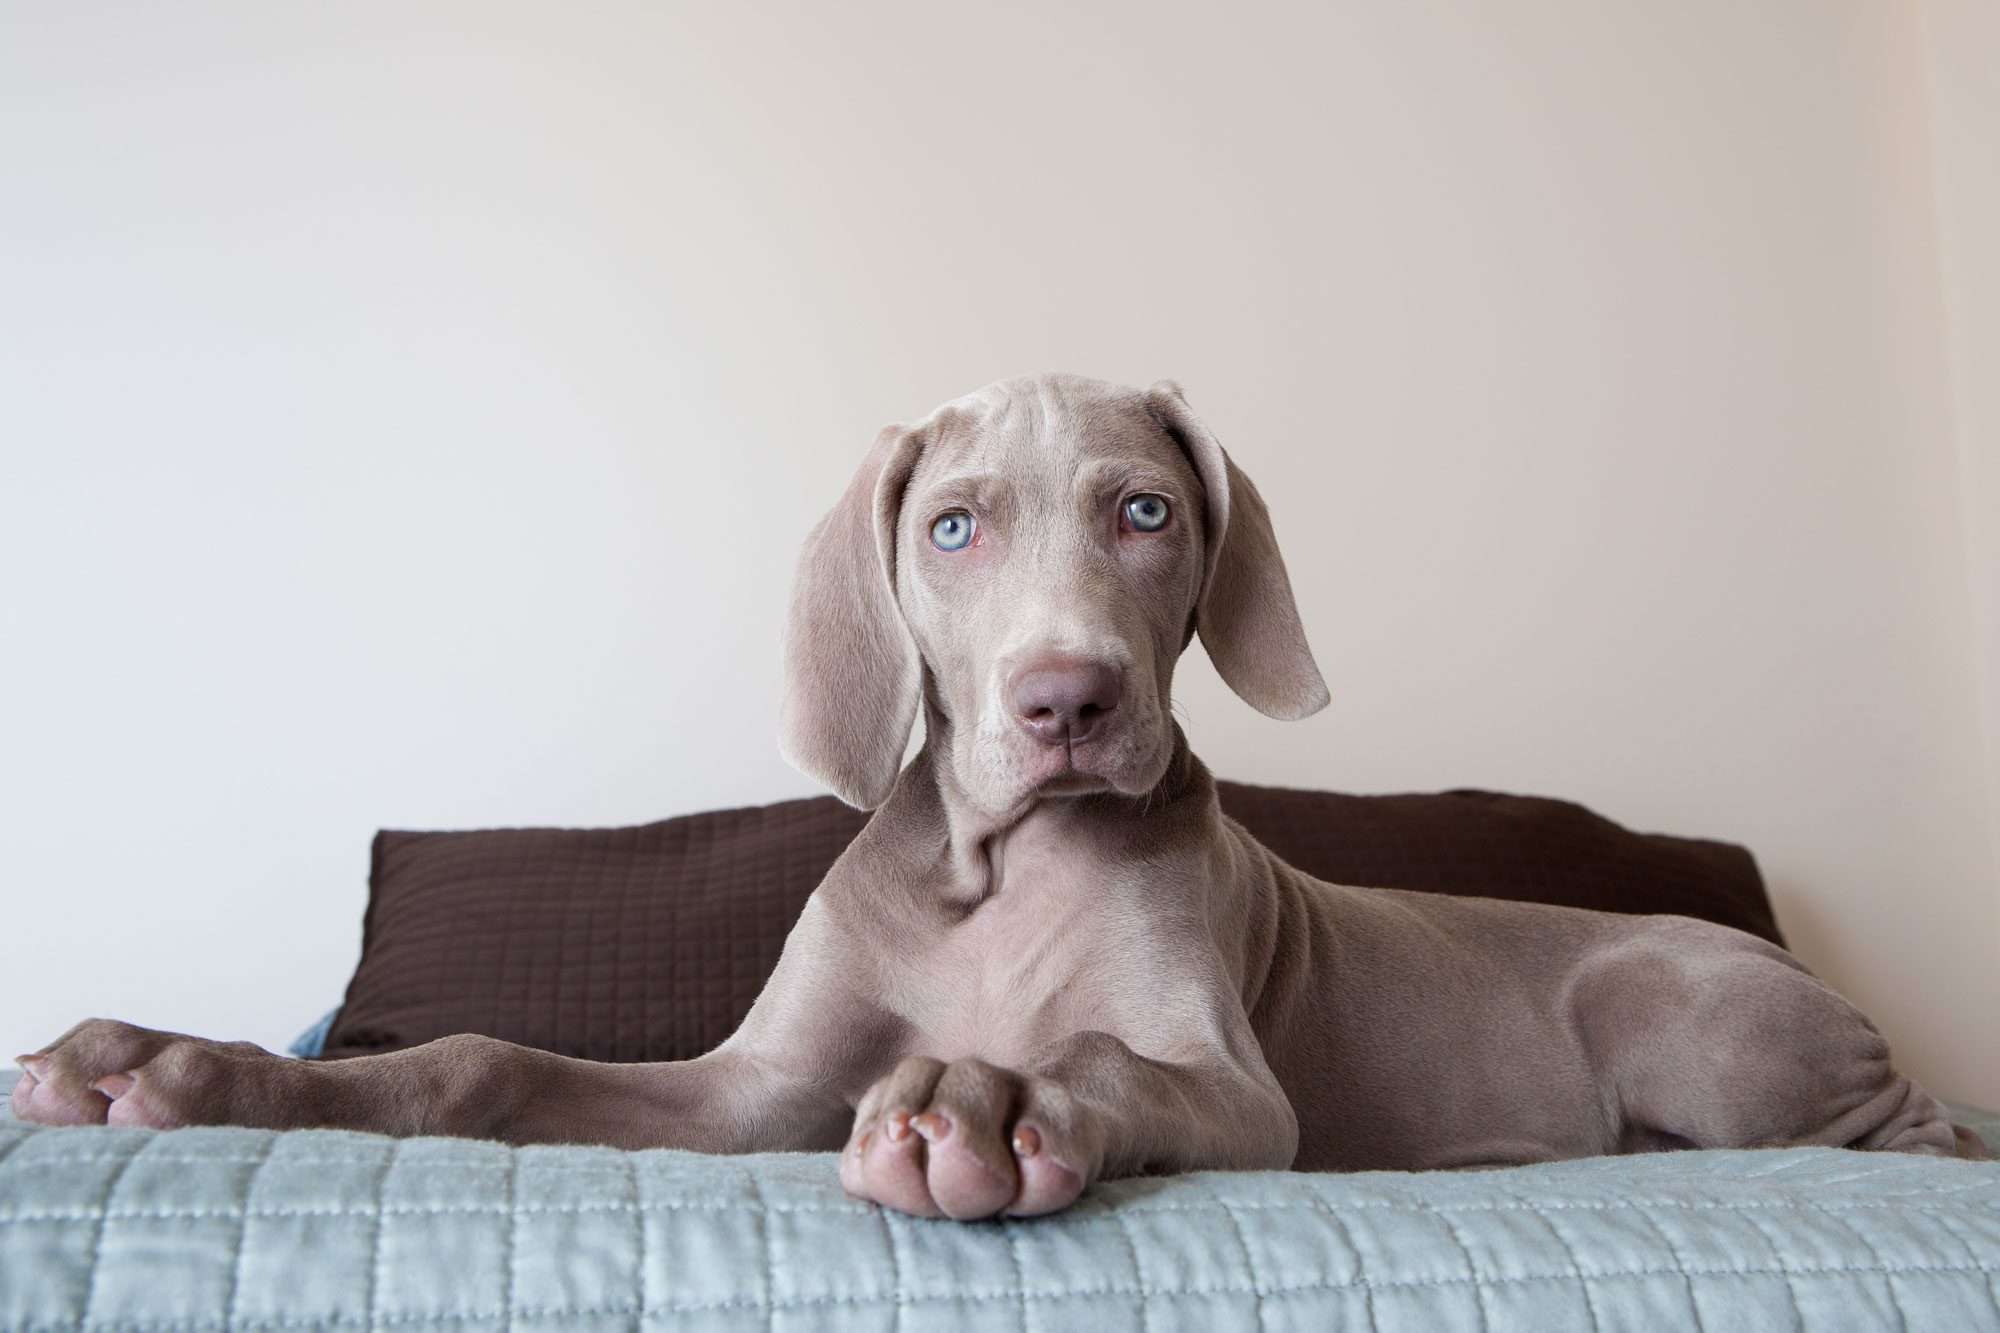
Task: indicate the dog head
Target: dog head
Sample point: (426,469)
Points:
(1030,561)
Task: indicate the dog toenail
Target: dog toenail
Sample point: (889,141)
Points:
(898,1128)
(33,1066)
(862,1147)
(1026,1141)
(931,1125)
(114,1086)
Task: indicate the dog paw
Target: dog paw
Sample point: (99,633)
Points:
(967,1140)
(105,1072)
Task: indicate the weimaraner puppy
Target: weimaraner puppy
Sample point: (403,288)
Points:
(1049,958)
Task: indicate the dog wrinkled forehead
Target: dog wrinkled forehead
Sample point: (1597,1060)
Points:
(1042,424)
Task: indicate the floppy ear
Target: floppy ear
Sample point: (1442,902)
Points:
(852,672)
(1246,617)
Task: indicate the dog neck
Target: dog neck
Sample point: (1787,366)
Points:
(971,844)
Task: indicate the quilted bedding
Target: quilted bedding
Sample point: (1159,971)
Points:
(231,1228)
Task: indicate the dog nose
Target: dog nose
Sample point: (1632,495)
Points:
(1063,701)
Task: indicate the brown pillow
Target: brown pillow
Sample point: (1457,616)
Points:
(650,943)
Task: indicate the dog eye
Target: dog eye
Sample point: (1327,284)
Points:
(953,530)
(1147,512)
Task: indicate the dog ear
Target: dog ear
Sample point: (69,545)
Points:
(1247,618)
(852,672)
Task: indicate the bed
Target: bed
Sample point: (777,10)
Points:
(201,1229)
(648,943)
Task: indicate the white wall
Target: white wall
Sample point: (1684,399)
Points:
(410,415)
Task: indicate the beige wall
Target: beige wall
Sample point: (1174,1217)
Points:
(411,413)
(1962,68)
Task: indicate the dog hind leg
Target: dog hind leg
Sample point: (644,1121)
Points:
(1710,1038)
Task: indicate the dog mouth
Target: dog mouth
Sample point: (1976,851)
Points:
(1073,782)
(1075,767)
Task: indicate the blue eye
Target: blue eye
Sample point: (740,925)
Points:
(1147,512)
(953,530)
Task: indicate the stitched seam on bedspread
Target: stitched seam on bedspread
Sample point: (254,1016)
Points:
(724,1206)
(382,1215)
(1471,1271)
(1680,1261)
(605,1167)
(764,1244)
(513,1243)
(13,1146)
(596,1170)
(1888,1278)
(1576,1266)
(602,1164)
(1124,1222)
(104,1220)
(243,1234)
(1361,1278)
(1013,1235)
(1791,1287)
(1243,1243)
(642,1225)
(628,1309)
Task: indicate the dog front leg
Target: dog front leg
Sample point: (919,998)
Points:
(1212,1110)
(970,1139)
(814,1038)
(470,1086)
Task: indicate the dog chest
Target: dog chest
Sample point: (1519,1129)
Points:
(1028,964)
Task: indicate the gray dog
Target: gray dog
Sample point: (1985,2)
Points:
(1049,958)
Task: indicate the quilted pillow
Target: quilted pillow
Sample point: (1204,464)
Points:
(650,943)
